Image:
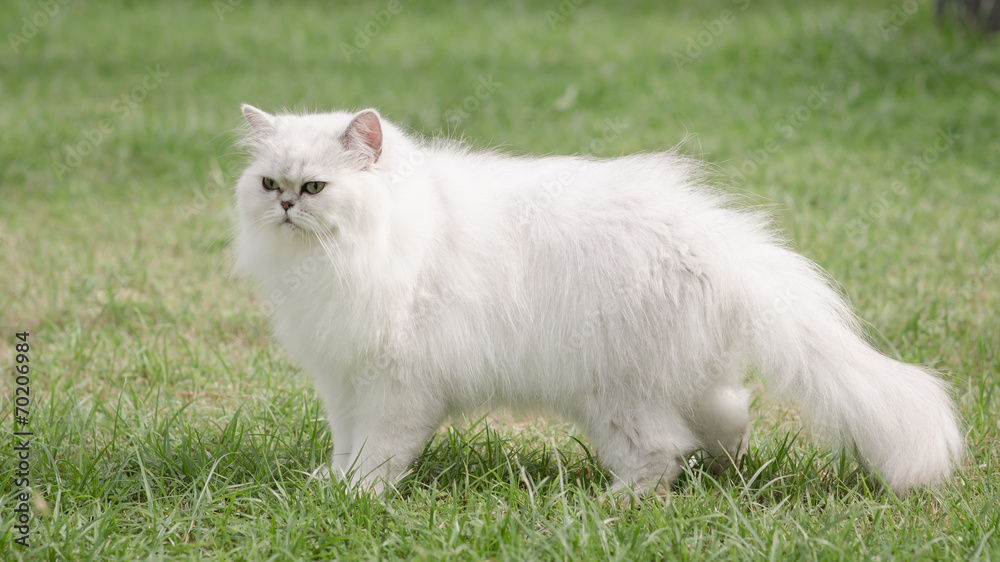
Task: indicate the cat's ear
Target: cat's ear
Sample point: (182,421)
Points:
(261,122)
(364,136)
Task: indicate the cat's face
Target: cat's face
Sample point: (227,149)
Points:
(311,175)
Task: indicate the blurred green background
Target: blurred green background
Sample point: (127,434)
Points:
(870,131)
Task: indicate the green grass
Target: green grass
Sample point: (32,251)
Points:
(167,422)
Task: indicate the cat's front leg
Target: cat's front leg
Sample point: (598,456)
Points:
(393,423)
(339,402)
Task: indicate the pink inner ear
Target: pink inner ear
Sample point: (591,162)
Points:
(259,121)
(366,129)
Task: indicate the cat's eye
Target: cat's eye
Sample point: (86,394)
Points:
(269,184)
(313,187)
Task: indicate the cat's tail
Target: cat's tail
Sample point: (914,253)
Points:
(808,344)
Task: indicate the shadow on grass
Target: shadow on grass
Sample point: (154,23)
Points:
(482,459)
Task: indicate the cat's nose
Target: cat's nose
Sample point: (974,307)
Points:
(286,205)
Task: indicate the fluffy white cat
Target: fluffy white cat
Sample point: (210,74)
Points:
(416,280)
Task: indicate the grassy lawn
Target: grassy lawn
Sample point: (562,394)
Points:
(167,424)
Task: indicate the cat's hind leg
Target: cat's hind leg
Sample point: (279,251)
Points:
(720,418)
(643,445)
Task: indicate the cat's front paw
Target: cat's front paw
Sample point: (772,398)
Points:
(628,497)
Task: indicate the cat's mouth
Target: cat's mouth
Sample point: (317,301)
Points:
(289,223)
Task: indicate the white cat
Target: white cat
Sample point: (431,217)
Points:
(416,280)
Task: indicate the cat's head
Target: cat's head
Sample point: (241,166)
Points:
(312,176)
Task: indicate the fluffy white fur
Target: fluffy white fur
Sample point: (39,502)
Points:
(623,294)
